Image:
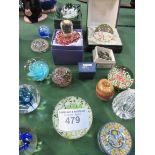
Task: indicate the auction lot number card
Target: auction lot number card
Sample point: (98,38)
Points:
(73,119)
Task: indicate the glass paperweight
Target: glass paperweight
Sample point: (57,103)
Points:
(68,39)
(27,141)
(61,76)
(44,31)
(37,69)
(104,33)
(121,77)
(104,53)
(29,98)
(66,27)
(104,28)
(123,104)
(70,11)
(39,45)
(114,139)
(21,5)
(104,90)
(72,117)
(103,36)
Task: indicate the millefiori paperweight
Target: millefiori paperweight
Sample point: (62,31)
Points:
(121,77)
(39,45)
(72,117)
(62,76)
(114,139)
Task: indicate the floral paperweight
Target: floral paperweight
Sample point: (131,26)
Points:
(121,77)
(29,98)
(43,31)
(123,104)
(27,141)
(62,76)
(72,117)
(37,69)
(39,45)
(69,11)
(114,139)
(104,90)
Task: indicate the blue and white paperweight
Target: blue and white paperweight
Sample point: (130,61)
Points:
(44,31)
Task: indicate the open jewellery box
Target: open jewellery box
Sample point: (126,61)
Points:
(103,12)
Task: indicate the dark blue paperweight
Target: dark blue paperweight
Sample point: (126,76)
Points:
(44,31)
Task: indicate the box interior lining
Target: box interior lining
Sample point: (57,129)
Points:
(102,11)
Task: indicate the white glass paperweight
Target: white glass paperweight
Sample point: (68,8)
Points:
(72,117)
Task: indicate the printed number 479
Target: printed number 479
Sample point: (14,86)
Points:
(71,120)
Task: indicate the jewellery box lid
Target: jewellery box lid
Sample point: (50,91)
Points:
(102,11)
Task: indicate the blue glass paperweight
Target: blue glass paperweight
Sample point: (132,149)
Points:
(38,70)
(27,141)
(44,31)
(29,98)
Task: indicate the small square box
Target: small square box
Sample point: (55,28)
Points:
(103,63)
(77,21)
(86,70)
(67,54)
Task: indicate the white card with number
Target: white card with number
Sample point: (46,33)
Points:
(73,119)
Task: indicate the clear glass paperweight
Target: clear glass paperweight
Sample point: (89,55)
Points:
(29,98)
(27,141)
(43,31)
(37,69)
(114,139)
(72,117)
(66,27)
(123,104)
(61,76)
(39,45)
